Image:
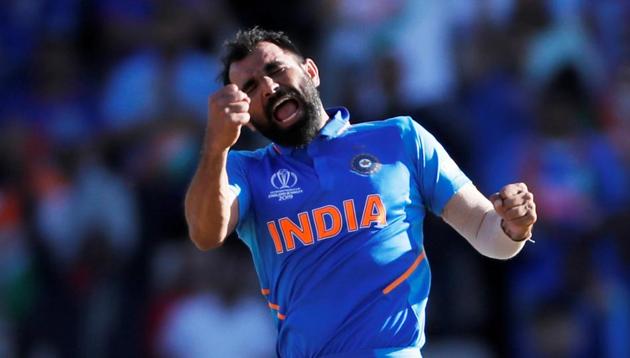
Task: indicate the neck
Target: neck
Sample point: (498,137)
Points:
(323,117)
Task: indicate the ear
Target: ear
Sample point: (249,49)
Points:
(311,69)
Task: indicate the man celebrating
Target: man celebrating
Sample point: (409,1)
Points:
(333,212)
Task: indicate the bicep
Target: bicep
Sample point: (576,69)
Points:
(439,177)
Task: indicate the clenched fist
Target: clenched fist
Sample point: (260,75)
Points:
(228,111)
(515,204)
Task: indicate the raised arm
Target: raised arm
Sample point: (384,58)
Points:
(497,227)
(211,206)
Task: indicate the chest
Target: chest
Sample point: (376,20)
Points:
(332,187)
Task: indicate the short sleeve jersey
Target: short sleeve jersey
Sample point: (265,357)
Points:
(335,232)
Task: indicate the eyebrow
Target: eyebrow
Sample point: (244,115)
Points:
(268,68)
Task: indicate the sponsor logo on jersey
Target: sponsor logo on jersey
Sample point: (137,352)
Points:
(284,181)
(326,222)
(365,164)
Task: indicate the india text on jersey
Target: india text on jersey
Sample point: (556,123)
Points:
(328,221)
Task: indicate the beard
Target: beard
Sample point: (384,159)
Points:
(306,126)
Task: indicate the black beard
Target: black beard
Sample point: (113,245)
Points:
(305,128)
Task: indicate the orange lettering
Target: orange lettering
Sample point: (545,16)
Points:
(320,222)
(273,231)
(351,215)
(374,211)
(303,232)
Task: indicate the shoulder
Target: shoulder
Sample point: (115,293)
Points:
(249,156)
(399,123)
(405,126)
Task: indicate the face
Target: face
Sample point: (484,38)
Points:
(285,105)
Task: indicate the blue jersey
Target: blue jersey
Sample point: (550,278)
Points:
(335,231)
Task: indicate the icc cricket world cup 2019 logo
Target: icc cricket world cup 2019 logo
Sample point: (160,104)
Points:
(284,181)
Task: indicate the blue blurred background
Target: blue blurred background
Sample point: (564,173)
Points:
(102,114)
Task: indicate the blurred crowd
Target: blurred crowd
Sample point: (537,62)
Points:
(102,114)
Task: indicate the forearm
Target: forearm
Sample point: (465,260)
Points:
(492,241)
(208,202)
(472,215)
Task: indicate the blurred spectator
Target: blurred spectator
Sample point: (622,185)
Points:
(575,171)
(562,44)
(217,316)
(610,31)
(167,74)
(579,181)
(616,111)
(495,105)
(103,111)
(18,278)
(106,204)
(59,101)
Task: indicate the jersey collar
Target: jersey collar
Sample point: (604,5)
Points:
(338,123)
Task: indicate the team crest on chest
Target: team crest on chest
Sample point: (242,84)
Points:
(285,183)
(365,164)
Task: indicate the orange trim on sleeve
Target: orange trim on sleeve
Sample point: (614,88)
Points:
(405,275)
(265,291)
(276,307)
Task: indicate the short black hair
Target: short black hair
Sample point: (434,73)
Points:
(245,41)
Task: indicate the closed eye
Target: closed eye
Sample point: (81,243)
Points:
(249,86)
(271,69)
(274,68)
(276,71)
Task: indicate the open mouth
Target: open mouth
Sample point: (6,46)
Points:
(285,111)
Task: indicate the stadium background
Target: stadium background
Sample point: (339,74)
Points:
(102,112)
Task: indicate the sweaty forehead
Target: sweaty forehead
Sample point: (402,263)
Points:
(253,63)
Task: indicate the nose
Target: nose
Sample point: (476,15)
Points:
(269,86)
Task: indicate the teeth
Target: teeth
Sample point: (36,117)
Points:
(279,102)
